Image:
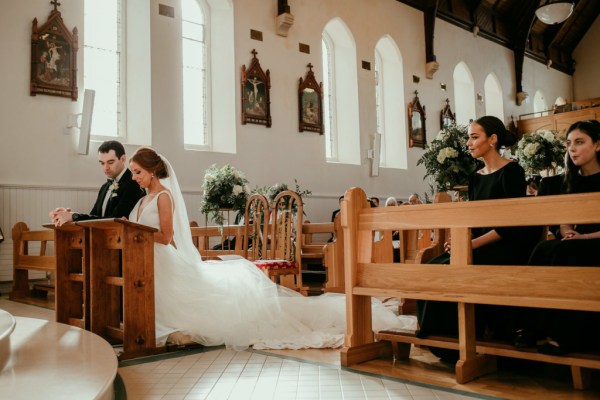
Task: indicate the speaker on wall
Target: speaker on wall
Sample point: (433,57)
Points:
(86,121)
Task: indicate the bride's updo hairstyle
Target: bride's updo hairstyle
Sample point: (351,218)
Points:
(149,159)
(492,125)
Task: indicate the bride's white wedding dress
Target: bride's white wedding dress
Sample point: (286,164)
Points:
(236,304)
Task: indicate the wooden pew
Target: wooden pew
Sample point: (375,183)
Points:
(311,249)
(333,259)
(314,240)
(412,250)
(24,261)
(568,288)
(205,238)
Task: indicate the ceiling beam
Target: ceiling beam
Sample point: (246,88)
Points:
(524,24)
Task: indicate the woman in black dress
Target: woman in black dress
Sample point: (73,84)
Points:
(500,178)
(579,244)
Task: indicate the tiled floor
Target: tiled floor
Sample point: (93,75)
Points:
(223,374)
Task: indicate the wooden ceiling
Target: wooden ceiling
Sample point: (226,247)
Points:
(512,23)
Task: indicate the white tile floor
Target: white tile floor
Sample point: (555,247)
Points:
(224,374)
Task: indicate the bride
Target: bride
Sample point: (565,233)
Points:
(228,302)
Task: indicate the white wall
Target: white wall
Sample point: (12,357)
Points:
(453,44)
(36,152)
(587,57)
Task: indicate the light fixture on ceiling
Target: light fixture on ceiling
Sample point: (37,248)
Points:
(554,11)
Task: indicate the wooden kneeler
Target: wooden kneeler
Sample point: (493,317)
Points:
(105,282)
(122,270)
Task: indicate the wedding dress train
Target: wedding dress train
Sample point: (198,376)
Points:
(233,302)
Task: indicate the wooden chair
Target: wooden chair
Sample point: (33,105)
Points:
(256,223)
(284,259)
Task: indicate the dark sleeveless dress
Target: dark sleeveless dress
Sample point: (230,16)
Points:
(572,252)
(573,330)
(515,247)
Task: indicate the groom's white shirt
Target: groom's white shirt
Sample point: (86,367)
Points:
(109,192)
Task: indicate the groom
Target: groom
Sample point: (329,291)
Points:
(116,197)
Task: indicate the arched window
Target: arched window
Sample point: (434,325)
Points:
(464,94)
(539,104)
(340,93)
(494,104)
(208,120)
(389,98)
(193,50)
(118,69)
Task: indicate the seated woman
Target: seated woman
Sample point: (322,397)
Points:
(500,178)
(579,244)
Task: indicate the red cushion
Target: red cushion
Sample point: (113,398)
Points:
(275,264)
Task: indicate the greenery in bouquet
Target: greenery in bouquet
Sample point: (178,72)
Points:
(447,160)
(270,192)
(540,150)
(224,188)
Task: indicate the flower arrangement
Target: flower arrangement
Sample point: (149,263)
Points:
(271,192)
(447,160)
(224,188)
(540,150)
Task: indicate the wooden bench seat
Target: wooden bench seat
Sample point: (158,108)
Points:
(24,261)
(231,239)
(565,288)
(402,341)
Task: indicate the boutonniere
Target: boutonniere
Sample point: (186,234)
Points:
(114,186)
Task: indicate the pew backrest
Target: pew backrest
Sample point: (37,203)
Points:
(556,287)
(229,240)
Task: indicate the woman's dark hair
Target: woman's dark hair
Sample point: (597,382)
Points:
(492,125)
(590,128)
(148,159)
(109,145)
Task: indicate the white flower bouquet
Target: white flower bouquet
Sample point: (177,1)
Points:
(540,150)
(447,160)
(224,188)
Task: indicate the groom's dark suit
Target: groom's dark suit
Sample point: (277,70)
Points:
(120,203)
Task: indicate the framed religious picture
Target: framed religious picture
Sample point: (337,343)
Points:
(447,117)
(256,86)
(310,103)
(53,57)
(416,123)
